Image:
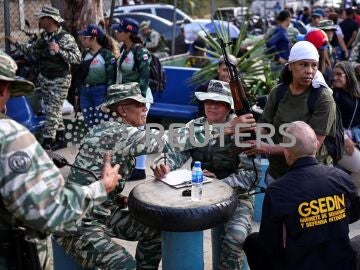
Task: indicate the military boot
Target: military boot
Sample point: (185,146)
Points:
(47,143)
(60,141)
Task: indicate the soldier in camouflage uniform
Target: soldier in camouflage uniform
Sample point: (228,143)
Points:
(54,51)
(93,245)
(154,41)
(224,164)
(32,191)
(355,51)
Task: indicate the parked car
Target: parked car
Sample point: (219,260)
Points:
(197,25)
(162,10)
(230,13)
(161,25)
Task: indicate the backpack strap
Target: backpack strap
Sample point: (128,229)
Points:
(135,52)
(280,93)
(313,97)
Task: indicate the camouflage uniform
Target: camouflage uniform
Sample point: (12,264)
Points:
(355,51)
(93,244)
(32,190)
(54,78)
(154,41)
(236,171)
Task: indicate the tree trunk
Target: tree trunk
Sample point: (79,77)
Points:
(79,13)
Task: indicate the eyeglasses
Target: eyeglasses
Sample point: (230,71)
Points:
(336,74)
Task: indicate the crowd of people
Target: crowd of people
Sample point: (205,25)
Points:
(310,199)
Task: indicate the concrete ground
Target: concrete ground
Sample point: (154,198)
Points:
(70,153)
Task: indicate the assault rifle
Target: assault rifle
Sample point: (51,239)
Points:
(241,104)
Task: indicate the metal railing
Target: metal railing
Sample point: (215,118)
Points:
(17,16)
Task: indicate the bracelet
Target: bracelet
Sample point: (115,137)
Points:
(269,150)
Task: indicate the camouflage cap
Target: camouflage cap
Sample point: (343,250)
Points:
(326,25)
(8,67)
(218,91)
(49,11)
(119,92)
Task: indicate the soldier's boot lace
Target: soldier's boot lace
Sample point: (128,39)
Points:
(60,141)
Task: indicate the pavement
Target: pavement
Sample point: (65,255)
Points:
(70,153)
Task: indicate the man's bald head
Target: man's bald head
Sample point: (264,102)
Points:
(306,142)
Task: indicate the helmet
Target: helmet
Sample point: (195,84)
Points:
(317,37)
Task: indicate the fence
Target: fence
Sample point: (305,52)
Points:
(19,12)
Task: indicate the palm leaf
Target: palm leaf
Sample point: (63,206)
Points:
(253,64)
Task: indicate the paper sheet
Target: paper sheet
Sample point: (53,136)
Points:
(181,178)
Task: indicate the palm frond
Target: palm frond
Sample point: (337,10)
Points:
(253,58)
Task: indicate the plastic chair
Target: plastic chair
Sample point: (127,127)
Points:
(20,110)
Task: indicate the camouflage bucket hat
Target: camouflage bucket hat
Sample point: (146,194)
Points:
(144,24)
(326,25)
(119,92)
(48,11)
(19,86)
(218,91)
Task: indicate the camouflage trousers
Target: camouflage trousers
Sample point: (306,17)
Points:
(236,230)
(54,93)
(99,247)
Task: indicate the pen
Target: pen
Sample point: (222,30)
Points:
(165,158)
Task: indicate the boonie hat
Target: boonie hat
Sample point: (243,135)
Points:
(126,25)
(232,59)
(19,86)
(144,24)
(120,92)
(49,11)
(326,25)
(92,30)
(218,91)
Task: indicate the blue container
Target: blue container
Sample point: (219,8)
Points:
(182,250)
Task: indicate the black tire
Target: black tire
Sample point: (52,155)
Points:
(182,219)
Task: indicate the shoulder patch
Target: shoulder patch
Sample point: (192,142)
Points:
(20,162)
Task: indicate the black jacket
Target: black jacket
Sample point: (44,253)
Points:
(305,217)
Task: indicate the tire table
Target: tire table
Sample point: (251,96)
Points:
(181,220)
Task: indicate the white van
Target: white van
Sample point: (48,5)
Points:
(266,7)
(162,10)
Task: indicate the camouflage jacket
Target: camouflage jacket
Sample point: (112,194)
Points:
(243,179)
(125,142)
(31,187)
(69,50)
(355,52)
(155,42)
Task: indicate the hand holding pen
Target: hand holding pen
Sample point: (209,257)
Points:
(161,170)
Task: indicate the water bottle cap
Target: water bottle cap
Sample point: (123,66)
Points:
(197,164)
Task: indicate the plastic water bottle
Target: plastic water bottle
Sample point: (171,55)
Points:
(196,182)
